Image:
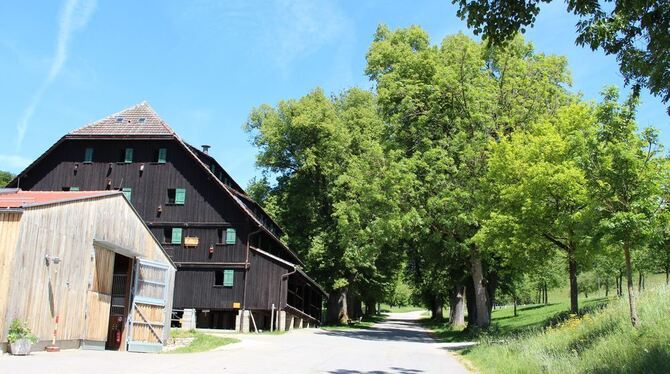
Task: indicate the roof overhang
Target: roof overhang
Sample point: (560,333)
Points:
(294,266)
(123,251)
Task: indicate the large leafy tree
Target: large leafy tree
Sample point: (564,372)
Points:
(626,172)
(444,104)
(5,177)
(636,32)
(538,193)
(331,188)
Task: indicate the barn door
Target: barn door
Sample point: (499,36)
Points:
(146,320)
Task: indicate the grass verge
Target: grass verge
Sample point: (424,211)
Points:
(602,341)
(201,342)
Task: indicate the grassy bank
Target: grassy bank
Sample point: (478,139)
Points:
(602,341)
(201,342)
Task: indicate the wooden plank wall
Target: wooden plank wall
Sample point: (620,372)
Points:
(99,299)
(67,230)
(9,230)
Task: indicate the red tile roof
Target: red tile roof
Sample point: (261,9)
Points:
(140,119)
(22,199)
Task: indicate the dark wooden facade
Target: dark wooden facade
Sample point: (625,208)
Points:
(213,204)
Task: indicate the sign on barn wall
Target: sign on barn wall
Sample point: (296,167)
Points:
(191,241)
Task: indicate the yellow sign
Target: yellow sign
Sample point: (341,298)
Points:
(191,241)
(236,305)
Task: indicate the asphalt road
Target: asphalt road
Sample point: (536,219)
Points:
(395,346)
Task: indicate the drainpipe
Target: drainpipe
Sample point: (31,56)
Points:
(246,268)
(281,281)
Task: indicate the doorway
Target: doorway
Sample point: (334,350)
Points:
(118,310)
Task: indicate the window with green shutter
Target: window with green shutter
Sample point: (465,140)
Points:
(228,275)
(230,236)
(176,235)
(162,155)
(88,155)
(129,156)
(179,196)
(127,191)
(70,188)
(212,167)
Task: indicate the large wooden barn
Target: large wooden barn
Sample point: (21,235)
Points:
(230,260)
(85,265)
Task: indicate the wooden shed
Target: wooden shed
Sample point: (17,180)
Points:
(85,265)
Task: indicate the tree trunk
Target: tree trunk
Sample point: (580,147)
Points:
(337,306)
(667,276)
(607,288)
(514,301)
(639,281)
(456,306)
(470,302)
(631,291)
(546,294)
(436,312)
(491,287)
(481,299)
(574,291)
(370,307)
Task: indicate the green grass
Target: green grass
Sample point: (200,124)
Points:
(366,323)
(599,342)
(201,343)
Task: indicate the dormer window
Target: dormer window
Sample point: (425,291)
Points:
(141,120)
(119,119)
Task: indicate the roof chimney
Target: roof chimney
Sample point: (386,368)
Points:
(205,148)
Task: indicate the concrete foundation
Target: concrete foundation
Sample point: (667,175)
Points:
(281,320)
(245,321)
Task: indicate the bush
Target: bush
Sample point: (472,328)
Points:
(19,330)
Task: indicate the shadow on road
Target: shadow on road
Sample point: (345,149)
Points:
(393,370)
(390,330)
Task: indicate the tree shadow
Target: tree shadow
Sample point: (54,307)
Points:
(392,370)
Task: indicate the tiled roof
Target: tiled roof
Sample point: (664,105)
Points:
(21,199)
(140,120)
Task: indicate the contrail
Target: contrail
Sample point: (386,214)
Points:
(75,14)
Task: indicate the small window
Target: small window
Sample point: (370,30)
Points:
(70,188)
(119,119)
(176,196)
(230,236)
(141,120)
(176,235)
(127,191)
(88,155)
(162,155)
(212,168)
(220,236)
(128,155)
(218,278)
(228,276)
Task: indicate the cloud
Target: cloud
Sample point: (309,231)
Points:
(14,163)
(75,14)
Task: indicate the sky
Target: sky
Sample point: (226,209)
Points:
(204,64)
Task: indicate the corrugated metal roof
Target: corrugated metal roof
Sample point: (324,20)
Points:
(22,199)
(140,119)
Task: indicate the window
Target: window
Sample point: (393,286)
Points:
(230,236)
(176,196)
(141,120)
(162,155)
(70,188)
(212,168)
(127,191)
(128,156)
(228,276)
(88,155)
(218,278)
(172,235)
(119,119)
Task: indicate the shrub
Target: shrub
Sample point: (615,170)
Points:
(19,330)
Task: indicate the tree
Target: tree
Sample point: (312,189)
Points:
(443,105)
(538,192)
(330,186)
(625,174)
(5,177)
(636,32)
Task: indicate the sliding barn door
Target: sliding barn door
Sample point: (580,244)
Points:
(147,314)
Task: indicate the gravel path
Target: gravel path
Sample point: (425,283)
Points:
(395,346)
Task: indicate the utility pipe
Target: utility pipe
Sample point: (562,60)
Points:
(281,281)
(246,269)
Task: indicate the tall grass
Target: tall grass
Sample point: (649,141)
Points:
(600,342)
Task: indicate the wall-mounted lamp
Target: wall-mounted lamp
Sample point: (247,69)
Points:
(160,209)
(52,260)
(76,166)
(211,250)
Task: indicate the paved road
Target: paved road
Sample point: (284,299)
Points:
(395,346)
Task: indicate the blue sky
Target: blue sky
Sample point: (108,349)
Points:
(203,65)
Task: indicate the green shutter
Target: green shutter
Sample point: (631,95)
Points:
(228,276)
(179,196)
(212,167)
(128,192)
(74,188)
(88,155)
(230,236)
(176,235)
(162,155)
(129,156)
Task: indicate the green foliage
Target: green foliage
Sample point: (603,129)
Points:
(19,330)
(600,342)
(5,177)
(636,32)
